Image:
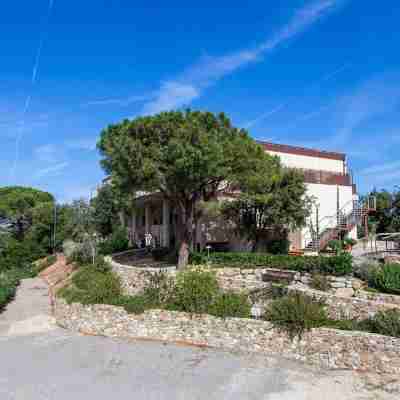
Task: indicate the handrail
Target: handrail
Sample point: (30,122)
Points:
(340,221)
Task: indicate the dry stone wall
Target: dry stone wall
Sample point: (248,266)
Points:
(341,303)
(341,307)
(326,348)
(134,279)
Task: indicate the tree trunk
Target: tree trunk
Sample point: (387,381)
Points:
(184,233)
(183,255)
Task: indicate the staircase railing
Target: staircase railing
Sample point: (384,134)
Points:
(347,217)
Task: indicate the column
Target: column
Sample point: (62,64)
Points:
(165,226)
(133,227)
(147,218)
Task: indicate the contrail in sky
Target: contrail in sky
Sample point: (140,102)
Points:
(34,77)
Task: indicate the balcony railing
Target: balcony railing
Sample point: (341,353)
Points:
(326,177)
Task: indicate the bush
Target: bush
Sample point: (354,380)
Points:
(383,323)
(159,289)
(116,243)
(93,287)
(296,313)
(336,245)
(231,304)
(278,246)
(367,272)
(195,291)
(69,248)
(133,304)
(20,255)
(337,265)
(387,279)
(320,282)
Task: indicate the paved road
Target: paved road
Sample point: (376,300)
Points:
(40,361)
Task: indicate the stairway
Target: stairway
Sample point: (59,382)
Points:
(333,227)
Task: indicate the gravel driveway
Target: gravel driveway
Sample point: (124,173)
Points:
(40,361)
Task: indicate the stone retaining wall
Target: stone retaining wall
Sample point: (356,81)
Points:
(327,348)
(379,297)
(134,279)
(339,307)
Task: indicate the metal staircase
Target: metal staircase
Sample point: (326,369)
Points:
(335,226)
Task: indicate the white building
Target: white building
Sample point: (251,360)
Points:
(336,209)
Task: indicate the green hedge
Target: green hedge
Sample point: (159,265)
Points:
(387,279)
(336,265)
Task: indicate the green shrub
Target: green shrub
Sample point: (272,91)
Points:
(367,272)
(387,279)
(337,265)
(230,304)
(320,282)
(343,324)
(336,245)
(384,323)
(195,291)
(159,289)
(117,242)
(20,255)
(94,287)
(278,246)
(133,304)
(296,313)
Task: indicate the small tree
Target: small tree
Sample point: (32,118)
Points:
(186,156)
(105,210)
(17,204)
(269,205)
(82,228)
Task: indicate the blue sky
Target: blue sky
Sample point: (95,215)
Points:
(321,73)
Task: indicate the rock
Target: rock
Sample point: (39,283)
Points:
(278,275)
(344,292)
(357,284)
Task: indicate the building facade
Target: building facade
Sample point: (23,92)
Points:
(328,181)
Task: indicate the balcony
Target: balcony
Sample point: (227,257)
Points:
(327,178)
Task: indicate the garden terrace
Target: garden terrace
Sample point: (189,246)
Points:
(329,265)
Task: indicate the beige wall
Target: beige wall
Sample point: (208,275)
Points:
(308,162)
(325,197)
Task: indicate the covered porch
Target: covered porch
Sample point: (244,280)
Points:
(152,214)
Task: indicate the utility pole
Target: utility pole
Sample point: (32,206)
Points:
(54,226)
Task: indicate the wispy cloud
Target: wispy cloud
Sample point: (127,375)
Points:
(120,101)
(263,116)
(375,97)
(51,171)
(28,100)
(191,84)
(88,144)
(381,175)
(388,167)
(46,153)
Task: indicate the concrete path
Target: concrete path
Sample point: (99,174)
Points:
(29,312)
(40,361)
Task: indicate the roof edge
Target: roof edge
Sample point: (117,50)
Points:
(303,151)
